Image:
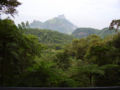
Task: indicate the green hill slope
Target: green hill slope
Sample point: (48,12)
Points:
(84,32)
(106,32)
(50,37)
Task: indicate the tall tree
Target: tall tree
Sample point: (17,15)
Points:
(17,52)
(115,23)
(8,6)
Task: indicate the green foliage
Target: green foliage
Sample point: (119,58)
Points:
(105,54)
(17,52)
(8,6)
(79,47)
(63,60)
(43,58)
(42,74)
(84,32)
(115,23)
(106,32)
(99,53)
(23,26)
(50,37)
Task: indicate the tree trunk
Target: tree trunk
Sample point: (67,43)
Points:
(91,80)
(2,67)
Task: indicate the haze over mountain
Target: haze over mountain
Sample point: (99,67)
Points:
(60,24)
(83,13)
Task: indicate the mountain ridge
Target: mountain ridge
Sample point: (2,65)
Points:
(59,23)
(84,32)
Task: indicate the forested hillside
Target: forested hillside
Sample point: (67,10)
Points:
(106,32)
(50,37)
(86,62)
(28,57)
(84,32)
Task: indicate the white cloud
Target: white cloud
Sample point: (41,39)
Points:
(83,13)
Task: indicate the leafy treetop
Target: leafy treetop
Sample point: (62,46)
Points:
(115,23)
(8,6)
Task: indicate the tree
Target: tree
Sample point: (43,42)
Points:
(63,60)
(17,52)
(79,47)
(84,73)
(91,71)
(23,26)
(100,53)
(8,6)
(111,76)
(113,24)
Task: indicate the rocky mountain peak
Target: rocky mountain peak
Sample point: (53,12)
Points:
(61,16)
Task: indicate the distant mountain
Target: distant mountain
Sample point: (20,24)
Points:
(60,24)
(50,37)
(84,32)
(36,24)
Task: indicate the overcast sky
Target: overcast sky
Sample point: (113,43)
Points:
(82,13)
